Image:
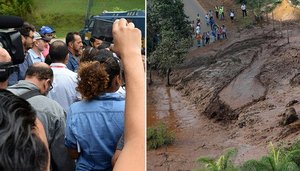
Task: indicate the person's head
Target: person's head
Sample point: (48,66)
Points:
(26,31)
(74,43)
(59,52)
(48,32)
(95,42)
(104,45)
(20,147)
(89,53)
(99,76)
(5,62)
(39,42)
(41,75)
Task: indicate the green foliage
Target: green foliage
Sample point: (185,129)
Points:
(295,2)
(158,136)
(223,163)
(167,23)
(278,159)
(22,8)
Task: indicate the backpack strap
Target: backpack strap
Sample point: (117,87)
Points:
(28,94)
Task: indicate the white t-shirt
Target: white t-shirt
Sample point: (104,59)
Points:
(243,7)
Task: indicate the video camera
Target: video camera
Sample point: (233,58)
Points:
(10,39)
(103,30)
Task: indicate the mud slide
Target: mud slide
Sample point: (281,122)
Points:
(246,87)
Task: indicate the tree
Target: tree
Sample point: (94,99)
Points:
(169,34)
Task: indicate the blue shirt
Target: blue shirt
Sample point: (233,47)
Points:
(30,58)
(72,63)
(94,128)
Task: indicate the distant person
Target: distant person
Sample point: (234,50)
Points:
(35,87)
(221,11)
(74,43)
(198,39)
(207,19)
(217,11)
(22,146)
(224,32)
(65,81)
(49,33)
(198,18)
(207,38)
(198,29)
(244,9)
(232,15)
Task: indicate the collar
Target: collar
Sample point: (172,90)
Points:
(34,55)
(58,65)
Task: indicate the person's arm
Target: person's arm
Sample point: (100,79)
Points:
(127,44)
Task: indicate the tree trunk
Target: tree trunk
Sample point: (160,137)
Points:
(168,76)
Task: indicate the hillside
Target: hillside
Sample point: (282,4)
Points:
(238,90)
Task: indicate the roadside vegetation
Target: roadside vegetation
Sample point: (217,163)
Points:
(169,35)
(278,159)
(63,15)
(158,136)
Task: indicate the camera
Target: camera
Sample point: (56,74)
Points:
(11,40)
(103,30)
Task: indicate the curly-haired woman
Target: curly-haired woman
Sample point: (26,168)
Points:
(95,124)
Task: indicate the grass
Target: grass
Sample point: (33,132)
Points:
(69,15)
(158,136)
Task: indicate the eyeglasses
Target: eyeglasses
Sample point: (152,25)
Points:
(50,86)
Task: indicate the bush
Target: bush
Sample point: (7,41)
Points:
(222,163)
(278,159)
(158,136)
(22,8)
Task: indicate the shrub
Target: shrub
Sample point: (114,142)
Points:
(158,136)
(22,8)
(222,163)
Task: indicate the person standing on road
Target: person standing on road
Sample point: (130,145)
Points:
(224,30)
(244,10)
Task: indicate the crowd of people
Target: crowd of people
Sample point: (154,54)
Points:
(216,32)
(65,108)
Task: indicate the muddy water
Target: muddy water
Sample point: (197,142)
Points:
(246,87)
(165,104)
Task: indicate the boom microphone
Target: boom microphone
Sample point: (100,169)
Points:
(9,21)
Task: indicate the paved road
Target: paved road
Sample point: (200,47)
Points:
(191,9)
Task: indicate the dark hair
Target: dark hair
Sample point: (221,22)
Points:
(58,51)
(25,29)
(96,76)
(104,45)
(71,37)
(20,148)
(89,53)
(40,72)
(92,39)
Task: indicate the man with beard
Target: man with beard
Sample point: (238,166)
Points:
(74,43)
